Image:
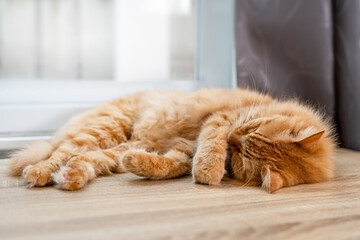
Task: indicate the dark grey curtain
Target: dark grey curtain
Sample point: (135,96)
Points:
(306,49)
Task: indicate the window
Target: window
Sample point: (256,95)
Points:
(137,40)
(61,57)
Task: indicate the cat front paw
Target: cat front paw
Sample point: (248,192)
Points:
(144,164)
(131,161)
(207,174)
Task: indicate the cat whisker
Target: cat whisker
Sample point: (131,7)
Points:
(251,176)
(243,170)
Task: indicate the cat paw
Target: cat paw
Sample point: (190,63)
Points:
(131,161)
(144,164)
(207,174)
(37,176)
(69,178)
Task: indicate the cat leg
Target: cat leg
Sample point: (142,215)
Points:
(174,163)
(40,174)
(89,139)
(30,155)
(151,165)
(210,156)
(42,150)
(83,168)
(101,128)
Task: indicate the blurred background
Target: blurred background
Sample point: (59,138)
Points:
(102,40)
(61,57)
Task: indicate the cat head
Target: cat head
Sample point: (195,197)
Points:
(284,144)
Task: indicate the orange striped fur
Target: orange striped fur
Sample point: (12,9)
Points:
(158,135)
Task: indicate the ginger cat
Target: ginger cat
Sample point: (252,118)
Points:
(159,135)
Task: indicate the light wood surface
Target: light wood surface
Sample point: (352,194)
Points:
(128,207)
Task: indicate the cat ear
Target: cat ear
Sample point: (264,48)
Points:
(307,143)
(272,181)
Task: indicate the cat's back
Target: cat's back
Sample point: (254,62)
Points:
(213,98)
(194,105)
(168,114)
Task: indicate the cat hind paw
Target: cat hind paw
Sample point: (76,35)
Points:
(37,176)
(69,178)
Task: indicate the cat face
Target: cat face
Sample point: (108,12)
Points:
(279,151)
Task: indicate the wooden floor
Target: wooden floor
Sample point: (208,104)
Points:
(128,207)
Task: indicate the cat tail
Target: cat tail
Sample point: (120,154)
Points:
(30,155)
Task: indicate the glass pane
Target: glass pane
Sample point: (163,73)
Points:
(120,40)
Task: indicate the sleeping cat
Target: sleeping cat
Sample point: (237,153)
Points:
(209,133)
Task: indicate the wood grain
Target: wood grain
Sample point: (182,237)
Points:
(128,207)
